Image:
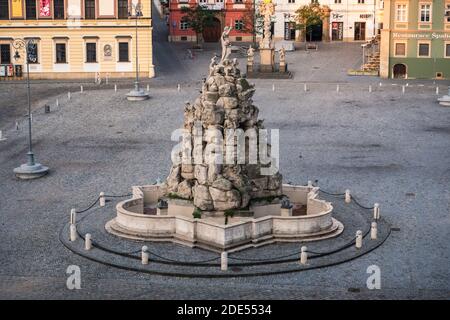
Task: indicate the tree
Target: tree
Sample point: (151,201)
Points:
(198,18)
(308,16)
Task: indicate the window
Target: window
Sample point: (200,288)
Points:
(291,1)
(237,1)
(4,9)
(5,54)
(30,9)
(91,52)
(425,12)
(447,13)
(401,13)
(58,9)
(447,50)
(61,53)
(400,49)
(89,9)
(123,52)
(361,1)
(238,24)
(424,50)
(337,1)
(184,25)
(381,4)
(202,1)
(123,9)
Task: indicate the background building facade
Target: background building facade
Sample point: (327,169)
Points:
(415,40)
(350,20)
(236,13)
(76,38)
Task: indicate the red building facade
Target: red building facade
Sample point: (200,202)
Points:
(235,13)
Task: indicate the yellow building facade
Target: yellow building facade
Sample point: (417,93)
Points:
(76,39)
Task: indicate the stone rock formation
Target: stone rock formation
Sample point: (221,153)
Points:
(224,105)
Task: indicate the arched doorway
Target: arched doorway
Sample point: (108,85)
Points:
(314,32)
(213,31)
(399,71)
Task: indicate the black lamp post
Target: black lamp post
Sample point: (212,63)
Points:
(137,94)
(31,169)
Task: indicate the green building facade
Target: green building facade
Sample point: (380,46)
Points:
(415,39)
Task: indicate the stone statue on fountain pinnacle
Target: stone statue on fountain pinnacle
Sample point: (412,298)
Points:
(209,172)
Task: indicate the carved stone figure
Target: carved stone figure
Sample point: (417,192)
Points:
(224,106)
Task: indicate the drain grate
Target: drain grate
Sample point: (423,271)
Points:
(354,290)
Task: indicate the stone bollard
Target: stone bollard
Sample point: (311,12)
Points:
(304,255)
(359,238)
(102,199)
(17,125)
(148,87)
(373,231)
(73,232)
(310,185)
(115,88)
(348,197)
(376,211)
(68,95)
(403,89)
(337,88)
(87,241)
(437,90)
(224,261)
(370,88)
(144,255)
(305,88)
(57,103)
(179,87)
(73,216)
(81,89)
(2,138)
(380,84)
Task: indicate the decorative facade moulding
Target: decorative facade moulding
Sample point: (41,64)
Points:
(91,37)
(32,38)
(123,37)
(61,38)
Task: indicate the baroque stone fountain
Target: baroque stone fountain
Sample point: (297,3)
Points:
(224,191)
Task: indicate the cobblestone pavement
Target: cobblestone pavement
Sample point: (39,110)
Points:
(385,146)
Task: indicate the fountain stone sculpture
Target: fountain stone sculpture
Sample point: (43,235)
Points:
(216,196)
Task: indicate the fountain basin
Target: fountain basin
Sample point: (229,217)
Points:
(265,222)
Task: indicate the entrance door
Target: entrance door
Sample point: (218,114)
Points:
(212,32)
(360,31)
(337,31)
(399,71)
(314,32)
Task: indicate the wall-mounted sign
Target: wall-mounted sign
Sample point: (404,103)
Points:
(17,9)
(365,16)
(337,15)
(424,35)
(45,9)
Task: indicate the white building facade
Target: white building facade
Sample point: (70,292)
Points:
(350,20)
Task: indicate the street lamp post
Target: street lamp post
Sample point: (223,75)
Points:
(31,169)
(137,94)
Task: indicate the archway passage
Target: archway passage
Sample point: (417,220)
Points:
(399,71)
(212,32)
(314,32)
